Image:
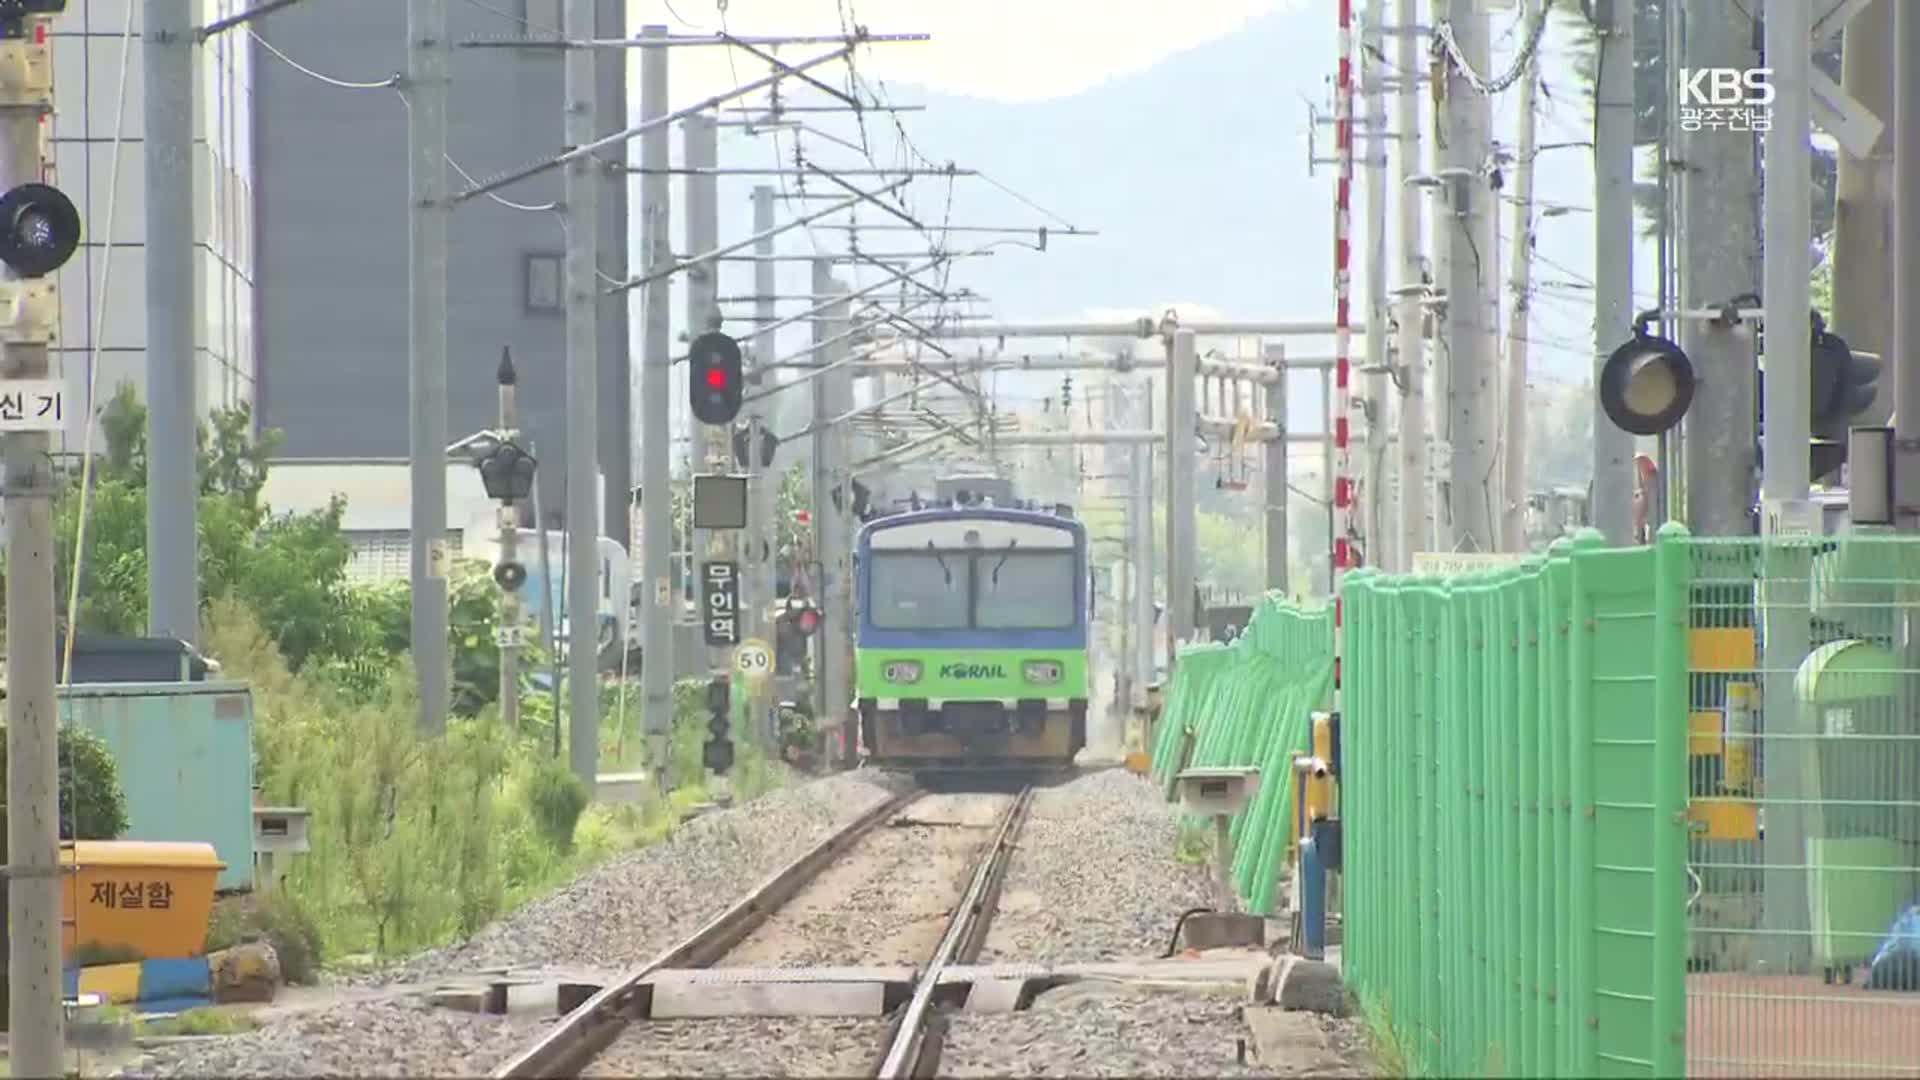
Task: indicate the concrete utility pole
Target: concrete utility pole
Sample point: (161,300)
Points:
(581,214)
(426,88)
(1790,769)
(658,600)
(763,484)
(1472,302)
(1718,263)
(510,618)
(1276,471)
(173,577)
(1182,386)
(1863,292)
(1380,539)
(35,1019)
(1612,502)
(1410,337)
(833,548)
(1513,510)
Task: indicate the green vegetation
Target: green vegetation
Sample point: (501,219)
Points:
(414,841)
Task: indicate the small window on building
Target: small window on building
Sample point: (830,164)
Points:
(543,283)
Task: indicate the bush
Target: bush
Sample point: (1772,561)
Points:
(280,920)
(556,798)
(92,804)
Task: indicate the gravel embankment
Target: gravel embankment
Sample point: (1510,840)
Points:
(405,1038)
(617,916)
(1108,1030)
(1094,877)
(628,910)
(796,1047)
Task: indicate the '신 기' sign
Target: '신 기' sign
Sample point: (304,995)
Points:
(32,405)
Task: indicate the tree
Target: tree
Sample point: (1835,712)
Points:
(289,569)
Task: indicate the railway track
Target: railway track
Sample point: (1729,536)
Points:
(913,1030)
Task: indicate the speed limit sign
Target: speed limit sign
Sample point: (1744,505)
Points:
(753,659)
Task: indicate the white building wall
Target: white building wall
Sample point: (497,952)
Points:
(98,118)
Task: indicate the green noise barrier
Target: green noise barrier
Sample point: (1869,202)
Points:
(1250,703)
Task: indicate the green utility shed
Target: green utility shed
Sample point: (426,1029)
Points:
(185,754)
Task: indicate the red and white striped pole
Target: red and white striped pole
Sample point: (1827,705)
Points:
(1343,492)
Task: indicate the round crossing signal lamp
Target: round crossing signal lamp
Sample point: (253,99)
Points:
(1647,384)
(39,229)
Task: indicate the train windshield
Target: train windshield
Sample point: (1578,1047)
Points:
(997,589)
(1024,590)
(918,590)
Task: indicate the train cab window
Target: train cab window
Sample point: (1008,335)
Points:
(1026,590)
(918,590)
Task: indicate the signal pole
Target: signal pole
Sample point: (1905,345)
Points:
(713,446)
(1612,502)
(35,1018)
(510,618)
(658,596)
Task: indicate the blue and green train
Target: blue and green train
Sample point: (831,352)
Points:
(970,650)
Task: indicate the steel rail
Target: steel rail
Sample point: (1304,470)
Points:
(913,1044)
(570,1045)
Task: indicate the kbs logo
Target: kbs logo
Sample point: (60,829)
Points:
(1726,99)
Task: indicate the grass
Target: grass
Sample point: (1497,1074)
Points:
(210,1020)
(1195,844)
(1389,1047)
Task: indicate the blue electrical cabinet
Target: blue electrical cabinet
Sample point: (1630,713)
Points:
(185,754)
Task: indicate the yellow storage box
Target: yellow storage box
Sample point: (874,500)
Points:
(153,898)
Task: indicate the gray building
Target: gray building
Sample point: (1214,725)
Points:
(330,167)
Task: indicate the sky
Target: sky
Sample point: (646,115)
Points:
(1000,50)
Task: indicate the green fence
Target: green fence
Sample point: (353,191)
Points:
(1512,799)
(1607,812)
(1249,703)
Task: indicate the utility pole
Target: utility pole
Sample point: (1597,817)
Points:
(1520,283)
(581,214)
(426,88)
(1182,409)
(1718,263)
(1612,501)
(1906,275)
(173,601)
(1410,335)
(658,597)
(36,1039)
(1863,292)
(763,483)
(832,396)
(510,618)
(1789,770)
(1372,43)
(1472,303)
(1276,470)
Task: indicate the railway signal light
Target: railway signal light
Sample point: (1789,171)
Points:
(717,753)
(803,615)
(1647,383)
(715,381)
(39,228)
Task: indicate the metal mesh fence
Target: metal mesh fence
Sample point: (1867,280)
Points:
(1804,807)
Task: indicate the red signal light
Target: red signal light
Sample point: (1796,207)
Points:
(716,379)
(809,621)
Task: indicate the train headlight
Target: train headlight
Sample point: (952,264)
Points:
(902,671)
(1041,671)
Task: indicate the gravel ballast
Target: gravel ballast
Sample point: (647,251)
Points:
(628,910)
(1094,876)
(764,1046)
(1123,1031)
(614,917)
